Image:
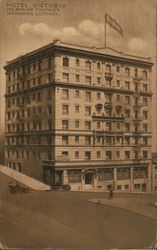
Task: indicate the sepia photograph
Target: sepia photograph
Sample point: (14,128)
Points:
(78,124)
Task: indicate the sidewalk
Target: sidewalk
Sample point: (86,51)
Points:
(24,179)
(136,205)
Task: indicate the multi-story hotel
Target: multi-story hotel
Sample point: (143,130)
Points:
(81,116)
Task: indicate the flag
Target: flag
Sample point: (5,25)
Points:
(113,24)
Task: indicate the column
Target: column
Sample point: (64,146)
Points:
(65,177)
(115,179)
(131,179)
(148,183)
(95,180)
(82,180)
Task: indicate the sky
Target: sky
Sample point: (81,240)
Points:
(80,22)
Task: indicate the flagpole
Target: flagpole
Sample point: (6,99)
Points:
(105,32)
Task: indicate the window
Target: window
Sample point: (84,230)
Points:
(49,124)
(118,125)
(108,68)
(144,74)
(33,97)
(88,80)
(145,101)
(77,78)
(145,140)
(65,77)
(118,98)
(127,72)
(123,173)
(136,155)
(140,172)
(77,139)
(105,174)
(108,97)
(87,125)
(136,127)
(117,154)
(108,111)
(77,62)
(49,109)
(127,113)
(88,96)
(98,95)
(34,81)
(39,66)
(98,80)
(65,154)
(119,187)
(145,114)
(98,124)
(87,155)
(77,93)
(65,109)
(65,124)
(108,126)
(117,68)
(127,155)
(108,140)
(39,80)
(118,83)
(145,88)
(65,139)
(88,65)
(74,176)
(108,155)
(39,97)
(145,127)
(136,86)
(98,65)
(108,83)
(39,125)
(77,108)
(65,62)
(127,85)
(145,154)
(34,66)
(127,140)
(136,72)
(77,124)
(98,154)
(127,100)
(136,186)
(87,140)
(127,127)
(28,112)
(98,139)
(28,69)
(87,110)
(49,62)
(50,77)
(49,93)
(39,110)
(65,93)
(76,154)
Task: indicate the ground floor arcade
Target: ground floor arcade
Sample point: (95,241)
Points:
(134,178)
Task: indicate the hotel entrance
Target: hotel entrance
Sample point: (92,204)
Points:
(89,178)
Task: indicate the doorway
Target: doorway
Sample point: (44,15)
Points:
(89,178)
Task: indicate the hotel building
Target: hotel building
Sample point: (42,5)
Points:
(81,116)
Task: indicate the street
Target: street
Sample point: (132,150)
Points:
(67,219)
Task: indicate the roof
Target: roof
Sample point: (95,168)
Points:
(74,49)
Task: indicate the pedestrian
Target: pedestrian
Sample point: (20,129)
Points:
(111,193)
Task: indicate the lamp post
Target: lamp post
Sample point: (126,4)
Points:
(156,224)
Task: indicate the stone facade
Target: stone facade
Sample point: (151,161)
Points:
(80,116)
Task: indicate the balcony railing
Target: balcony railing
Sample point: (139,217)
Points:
(109,75)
